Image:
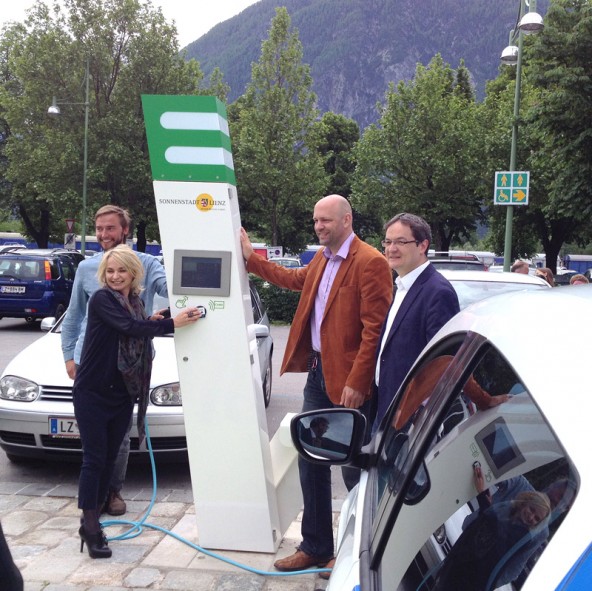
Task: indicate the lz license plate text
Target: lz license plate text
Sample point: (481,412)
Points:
(12,289)
(63,427)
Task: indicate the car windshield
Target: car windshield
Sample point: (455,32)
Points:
(470,292)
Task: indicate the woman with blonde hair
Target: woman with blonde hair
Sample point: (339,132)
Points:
(114,373)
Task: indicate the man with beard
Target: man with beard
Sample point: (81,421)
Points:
(112,225)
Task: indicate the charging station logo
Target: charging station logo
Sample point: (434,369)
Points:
(204,202)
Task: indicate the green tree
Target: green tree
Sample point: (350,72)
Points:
(131,50)
(338,136)
(424,155)
(279,170)
(554,140)
(560,124)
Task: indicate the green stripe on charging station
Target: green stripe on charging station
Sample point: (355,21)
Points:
(188,139)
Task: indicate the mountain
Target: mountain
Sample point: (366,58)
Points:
(356,47)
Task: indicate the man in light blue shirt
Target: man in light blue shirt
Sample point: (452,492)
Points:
(112,225)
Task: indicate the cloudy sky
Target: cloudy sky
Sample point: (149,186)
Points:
(192,17)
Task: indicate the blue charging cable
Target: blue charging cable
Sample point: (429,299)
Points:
(136,528)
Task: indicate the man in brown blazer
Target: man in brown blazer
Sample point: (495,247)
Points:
(346,293)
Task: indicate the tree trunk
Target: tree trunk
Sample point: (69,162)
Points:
(41,236)
(141,236)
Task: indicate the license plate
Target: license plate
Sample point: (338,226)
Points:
(12,289)
(63,427)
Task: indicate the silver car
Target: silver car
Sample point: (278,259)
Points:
(36,411)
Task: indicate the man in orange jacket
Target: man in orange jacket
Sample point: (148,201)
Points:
(346,293)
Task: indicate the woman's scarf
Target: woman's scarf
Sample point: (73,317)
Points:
(135,360)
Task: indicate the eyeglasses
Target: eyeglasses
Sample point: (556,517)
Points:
(386,243)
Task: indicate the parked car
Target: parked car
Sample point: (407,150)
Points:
(414,521)
(11,247)
(451,260)
(35,283)
(36,412)
(287,261)
(532,269)
(472,286)
(563,276)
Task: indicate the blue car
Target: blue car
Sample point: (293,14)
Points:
(35,283)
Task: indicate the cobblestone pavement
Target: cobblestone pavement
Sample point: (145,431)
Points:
(41,525)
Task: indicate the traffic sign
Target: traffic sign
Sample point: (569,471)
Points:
(69,241)
(511,187)
(70,225)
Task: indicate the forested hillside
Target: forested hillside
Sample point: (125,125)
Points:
(356,47)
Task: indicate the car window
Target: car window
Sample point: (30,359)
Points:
(442,446)
(68,270)
(31,270)
(257,306)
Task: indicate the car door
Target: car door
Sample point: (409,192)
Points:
(431,529)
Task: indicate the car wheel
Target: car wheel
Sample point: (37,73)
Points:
(59,311)
(267,385)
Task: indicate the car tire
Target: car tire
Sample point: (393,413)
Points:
(59,311)
(267,385)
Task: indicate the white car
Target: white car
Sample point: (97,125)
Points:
(291,262)
(415,520)
(473,286)
(36,412)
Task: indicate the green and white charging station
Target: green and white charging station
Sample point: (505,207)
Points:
(245,487)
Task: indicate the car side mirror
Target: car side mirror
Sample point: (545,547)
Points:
(47,323)
(258,331)
(331,436)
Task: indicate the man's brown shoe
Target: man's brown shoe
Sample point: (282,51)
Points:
(300,561)
(115,504)
(330,565)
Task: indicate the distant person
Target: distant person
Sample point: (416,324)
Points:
(546,274)
(424,301)
(114,374)
(520,267)
(578,279)
(346,291)
(112,226)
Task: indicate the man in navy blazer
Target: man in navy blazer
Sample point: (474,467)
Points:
(424,301)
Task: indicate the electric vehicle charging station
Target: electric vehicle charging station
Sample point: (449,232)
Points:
(246,489)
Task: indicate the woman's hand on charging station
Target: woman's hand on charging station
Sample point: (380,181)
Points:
(188,316)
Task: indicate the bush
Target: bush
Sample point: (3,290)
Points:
(280,303)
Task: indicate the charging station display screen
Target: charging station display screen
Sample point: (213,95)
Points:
(498,446)
(201,272)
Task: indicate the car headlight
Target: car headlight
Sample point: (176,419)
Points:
(19,389)
(167,395)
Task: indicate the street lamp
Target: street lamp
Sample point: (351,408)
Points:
(528,22)
(54,111)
